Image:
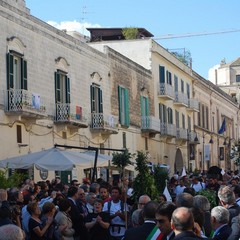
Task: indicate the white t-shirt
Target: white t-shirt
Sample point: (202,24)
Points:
(116,231)
(199,186)
(179,189)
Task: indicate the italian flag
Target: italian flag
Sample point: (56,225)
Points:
(155,234)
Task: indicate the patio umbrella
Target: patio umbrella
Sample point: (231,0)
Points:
(53,159)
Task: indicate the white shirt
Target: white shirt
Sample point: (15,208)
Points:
(179,189)
(199,186)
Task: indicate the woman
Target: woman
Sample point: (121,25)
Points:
(36,227)
(63,219)
(98,222)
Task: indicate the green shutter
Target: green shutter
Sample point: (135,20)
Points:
(57,88)
(120,104)
(23,74)
(147,107)
(10,76)
(67,87)
(161,74)
(126,102)
(142,105)
(92,94)
(100,102)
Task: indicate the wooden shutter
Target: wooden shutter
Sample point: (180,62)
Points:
(57,88)
(92,94)
(100,102)
(120,104)
(10,74)
(23,74)
(67,88)
(126,101)
(161,74)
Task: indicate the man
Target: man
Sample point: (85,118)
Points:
(184,200)
(197,185)
(143,200)
(75,214)
(90,198)
(11,232)
(219,221)
(104,193)
(182,224)
(228,201)
(118,213)
(148,228)
(236,190)
(180,187)
(163,218)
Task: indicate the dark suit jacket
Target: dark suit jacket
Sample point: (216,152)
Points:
(139,233)
(223,233)
(235,235)
(187,235)
(77,221)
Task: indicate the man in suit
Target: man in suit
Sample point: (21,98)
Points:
(163,218)
(219,221)
(75,214)
(142,232)
(182,224)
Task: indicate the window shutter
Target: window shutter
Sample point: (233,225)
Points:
(67,84)
(100,102)
(161,74)
(57,88)
(10,71)
(126,101)
(92,94)
(142,105)
(23,74)
(147,106)
(120,104)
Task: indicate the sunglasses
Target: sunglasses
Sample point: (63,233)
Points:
(160,221)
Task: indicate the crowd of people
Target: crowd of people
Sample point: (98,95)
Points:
(104,211)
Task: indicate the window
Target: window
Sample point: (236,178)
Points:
(62,87)
(188,90)
(19,134)
(124,139)
(175,83)
(182,86)
(161,74)
(170,115)
(169,78)
(189,124)
(123,100)
(183,121)
(96,99)
(237,78)
(16,71)
(162,113)
(177,118)
(144,106)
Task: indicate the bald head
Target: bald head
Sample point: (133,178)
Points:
(143,200)
(182,219)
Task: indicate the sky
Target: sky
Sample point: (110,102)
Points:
(161,18)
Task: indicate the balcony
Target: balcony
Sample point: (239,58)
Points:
(25,103)
(193,105)
(150,124)
(192,137)
(166,91)
(104,123)
(71,114)
(168,130)
(181,99)
(182,134)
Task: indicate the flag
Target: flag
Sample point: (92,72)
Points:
(223,127)
(167,194)
(184,172)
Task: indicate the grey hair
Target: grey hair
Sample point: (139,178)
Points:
(221,214)
(184,200)
(226,195)
(135,217)
(201,202)
(11,232)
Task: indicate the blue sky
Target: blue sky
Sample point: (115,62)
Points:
(160,17)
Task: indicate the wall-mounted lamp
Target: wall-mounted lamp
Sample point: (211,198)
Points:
(211,141)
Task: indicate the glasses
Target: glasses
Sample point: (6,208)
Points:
(142,204)
(82,194)
(160,221)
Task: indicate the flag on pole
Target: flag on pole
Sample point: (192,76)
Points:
(167,194)
(223,127)
(184,172)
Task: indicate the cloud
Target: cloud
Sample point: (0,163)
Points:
(74,26)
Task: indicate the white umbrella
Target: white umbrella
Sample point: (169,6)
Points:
(102,160)
(53,159)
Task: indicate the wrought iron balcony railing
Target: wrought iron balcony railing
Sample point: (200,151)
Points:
(193,105)
(168,129)
(166,91)
(150,123)
(104,122)
(72,113)
(24,102)
(181,99)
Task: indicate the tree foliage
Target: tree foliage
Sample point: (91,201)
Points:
(130,33)
(12,181)
(184,57)
(144,182)
(160,177)
(121,161)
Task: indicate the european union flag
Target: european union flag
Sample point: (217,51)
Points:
(223,127)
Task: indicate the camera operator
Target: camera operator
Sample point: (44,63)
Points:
(15,199)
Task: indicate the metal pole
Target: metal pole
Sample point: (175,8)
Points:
(203,155)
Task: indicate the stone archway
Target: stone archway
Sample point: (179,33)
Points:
(178,164)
